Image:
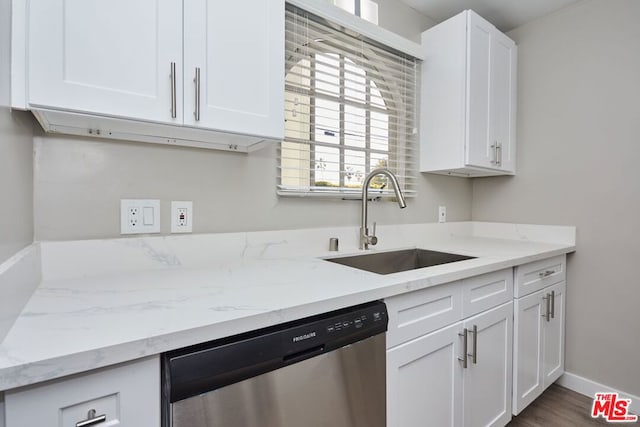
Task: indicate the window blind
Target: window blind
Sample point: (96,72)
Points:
(350,107)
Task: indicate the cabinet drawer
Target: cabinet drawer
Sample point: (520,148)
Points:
(539,274)
(489,290)
(126,395)
(417,313)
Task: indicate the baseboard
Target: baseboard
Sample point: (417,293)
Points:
(590,388)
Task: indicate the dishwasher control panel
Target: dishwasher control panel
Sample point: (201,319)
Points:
(209,366)
(358,322)
(372,317)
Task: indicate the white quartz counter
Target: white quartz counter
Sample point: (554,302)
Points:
(97,303)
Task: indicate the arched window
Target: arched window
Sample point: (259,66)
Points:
(349,108)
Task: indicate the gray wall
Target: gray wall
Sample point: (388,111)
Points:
(79,182)
(578,154)
(16,157)
(78,185)
(16,182)
(400,18)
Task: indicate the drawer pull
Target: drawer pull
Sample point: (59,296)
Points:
(92,419)
(547,273)
(553,304)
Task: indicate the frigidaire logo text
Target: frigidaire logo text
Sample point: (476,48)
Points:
(304,337)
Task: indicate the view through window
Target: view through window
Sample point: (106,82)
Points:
(349,108)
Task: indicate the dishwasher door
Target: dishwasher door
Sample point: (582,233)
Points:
(327,370)
(341,388)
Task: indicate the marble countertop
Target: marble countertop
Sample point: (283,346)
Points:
(102,302)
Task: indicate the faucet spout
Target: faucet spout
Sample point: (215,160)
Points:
(365,238)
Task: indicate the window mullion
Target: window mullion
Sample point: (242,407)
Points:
(342,170)
(312,122)
(367,139)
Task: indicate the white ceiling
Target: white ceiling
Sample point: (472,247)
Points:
(504,14)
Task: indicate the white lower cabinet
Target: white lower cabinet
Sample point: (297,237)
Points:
(424,380)
(553,344)
(486,382)
(538,343)
(123,395)
(431,380)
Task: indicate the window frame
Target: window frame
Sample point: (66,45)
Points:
(397,158)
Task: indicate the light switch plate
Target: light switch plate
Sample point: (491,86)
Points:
(139,216)
(181,217)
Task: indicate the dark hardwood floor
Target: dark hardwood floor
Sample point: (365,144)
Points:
(560,407)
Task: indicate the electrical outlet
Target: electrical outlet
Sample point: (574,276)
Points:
(134,214)
(442,214)
(181,217)
(139,216)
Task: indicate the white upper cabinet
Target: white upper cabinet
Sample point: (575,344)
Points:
(106,57)
(127,69)
(468,98)
(234,66)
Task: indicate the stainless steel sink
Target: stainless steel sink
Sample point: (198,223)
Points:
(396,261)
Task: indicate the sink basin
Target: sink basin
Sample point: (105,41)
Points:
(396,261)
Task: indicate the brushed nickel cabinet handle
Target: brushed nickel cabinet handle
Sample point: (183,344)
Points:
(463,359)
(474,357)
(553,304)
(546,273)
(92,419)
(494,146)
(196,80)
(498,154)
(174,112)
(547,298)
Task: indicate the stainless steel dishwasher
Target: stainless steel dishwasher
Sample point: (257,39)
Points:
(327,370)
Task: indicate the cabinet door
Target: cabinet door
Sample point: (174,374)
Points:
(479,34)
(502,100)
(424,379)
(486,384)
(491,96)
(239,49)
(553,347)
(108,57)
(527,349)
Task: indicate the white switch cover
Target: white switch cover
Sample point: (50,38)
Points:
(442,214)
(181,217)
(139,216)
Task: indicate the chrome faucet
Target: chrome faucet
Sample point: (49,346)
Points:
(365,238)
